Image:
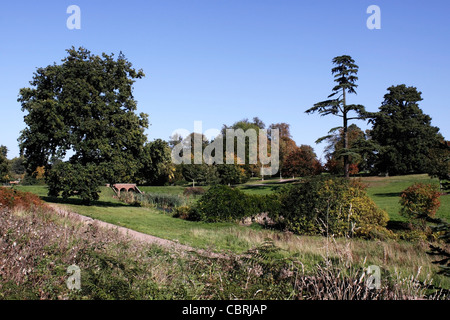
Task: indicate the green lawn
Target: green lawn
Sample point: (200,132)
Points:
(215,236)
(403,256)
(385,191)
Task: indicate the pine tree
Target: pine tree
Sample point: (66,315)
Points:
(344,72)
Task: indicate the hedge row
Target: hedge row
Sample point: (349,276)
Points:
(160,200)
(222,203)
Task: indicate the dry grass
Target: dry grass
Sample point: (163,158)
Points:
(396,257)
(37,246)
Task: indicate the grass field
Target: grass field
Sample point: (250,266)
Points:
(385,191)
(401,256)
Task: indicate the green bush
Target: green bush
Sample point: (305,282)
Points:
(324,205)
(186,213)
(317,206)
(69,179)
(223,203)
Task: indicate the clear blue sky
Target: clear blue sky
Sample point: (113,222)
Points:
(220,61)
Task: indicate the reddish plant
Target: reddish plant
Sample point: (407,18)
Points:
(12,198)
(419,200)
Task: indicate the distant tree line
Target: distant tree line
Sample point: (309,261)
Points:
(82,130)
(401,140)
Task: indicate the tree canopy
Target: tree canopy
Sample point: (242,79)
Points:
(403,133)
(344,72)
(83,109)
(4,166)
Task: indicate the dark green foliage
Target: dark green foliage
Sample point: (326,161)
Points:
(223,203)
(200,174)
(317,206)
(404,134)
(156,163)
(17,165)
(232,174)
(4,167)
(84,108)
(300,207)
(67,179)
(359,150)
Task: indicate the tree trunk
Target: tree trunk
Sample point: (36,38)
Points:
(345,137)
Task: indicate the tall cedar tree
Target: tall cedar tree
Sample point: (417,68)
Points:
(344,72)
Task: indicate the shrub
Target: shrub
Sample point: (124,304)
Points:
(420,201)
(329,205)
(223,203)
(70,179)
(186,213)
(195,191)
(12,198)
(160,200)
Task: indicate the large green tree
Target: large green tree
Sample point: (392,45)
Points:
(157,167)
(440,164)
(404,134)
(82,111)
(4,165)
(344,72)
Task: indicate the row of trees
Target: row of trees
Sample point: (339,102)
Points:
(401,140)
(14,170)
(294,160)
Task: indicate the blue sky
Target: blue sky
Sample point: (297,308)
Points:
(219,61)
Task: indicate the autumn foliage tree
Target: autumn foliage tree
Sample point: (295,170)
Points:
(287,145)
(419,202)
(301,163)
(333,151)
